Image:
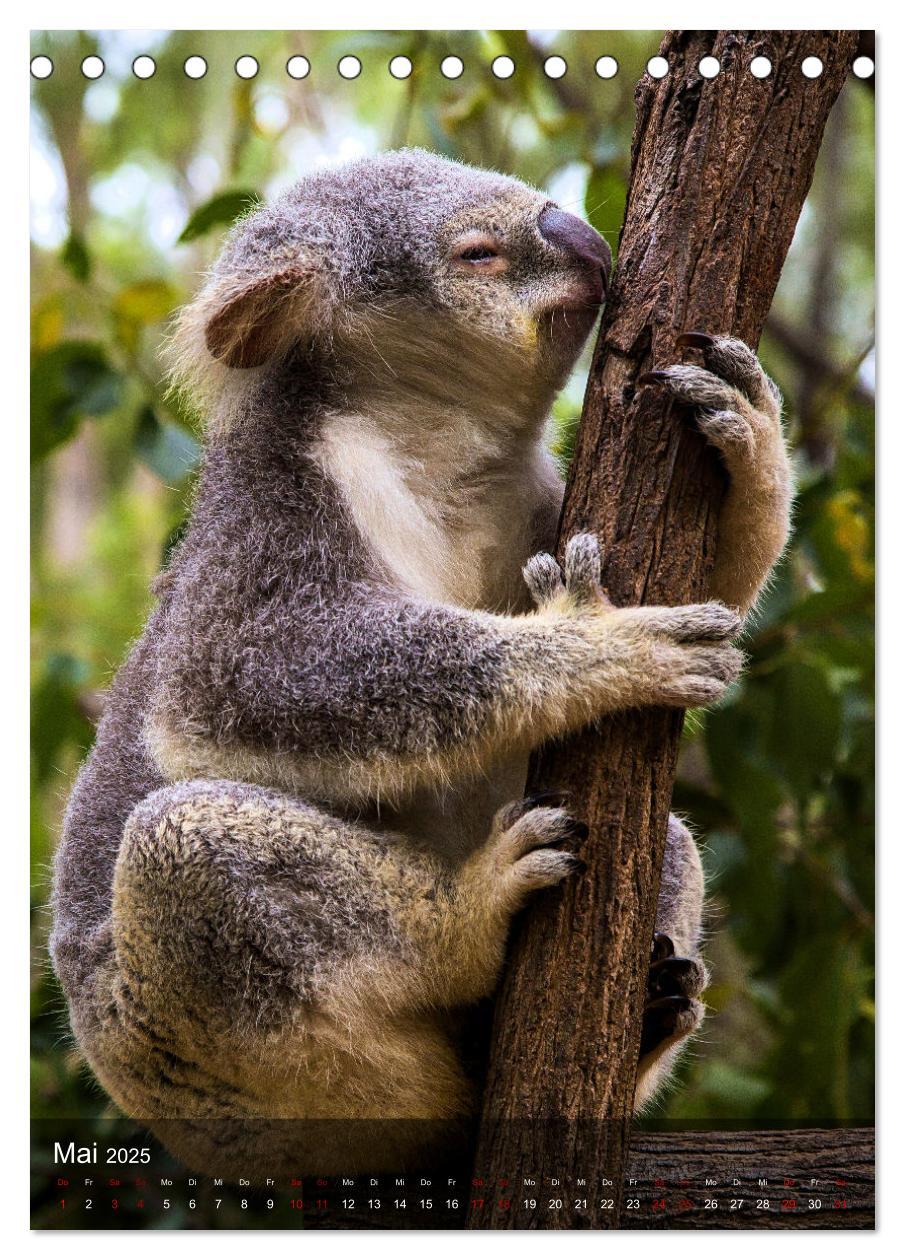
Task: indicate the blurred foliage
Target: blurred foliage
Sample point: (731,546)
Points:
(133,184)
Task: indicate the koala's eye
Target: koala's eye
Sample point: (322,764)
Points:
(477,252)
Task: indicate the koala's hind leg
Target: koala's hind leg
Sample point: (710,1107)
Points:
(677,974)
(250,936)
(464,946)
(270,961)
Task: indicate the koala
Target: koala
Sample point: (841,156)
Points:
(291,859)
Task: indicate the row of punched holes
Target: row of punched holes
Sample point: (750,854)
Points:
(298,67)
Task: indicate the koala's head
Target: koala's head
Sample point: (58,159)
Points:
(400,255)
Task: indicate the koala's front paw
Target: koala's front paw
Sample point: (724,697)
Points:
(679,656)
(684,655)
(737,406)
(672,1010)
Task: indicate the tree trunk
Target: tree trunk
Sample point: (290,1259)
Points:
(720,170)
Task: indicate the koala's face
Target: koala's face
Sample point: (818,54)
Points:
(522,270)
(410,248)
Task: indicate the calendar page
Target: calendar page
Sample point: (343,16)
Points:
(452,536)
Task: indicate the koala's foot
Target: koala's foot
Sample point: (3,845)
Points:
(678,656)
(738,410)
(520,856)
(672,1012)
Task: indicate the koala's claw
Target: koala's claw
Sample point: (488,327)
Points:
(582,568)
(534,822)
(688,623)
(554,826)
(543,577)
(550,801)
(697,340)
(572,829)
(653,378)
(556,798)
(736,363)
(544,868)
(696,387)
(678,656)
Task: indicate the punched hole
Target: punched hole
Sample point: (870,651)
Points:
(400,67)
(298,67)
(246,67)
(92,67)
(349,67)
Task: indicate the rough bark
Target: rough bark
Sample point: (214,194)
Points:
(719,172)
(815,1179)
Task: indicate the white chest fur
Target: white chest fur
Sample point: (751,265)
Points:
(442,532)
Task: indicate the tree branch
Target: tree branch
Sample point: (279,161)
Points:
(828,1174)
(720,170)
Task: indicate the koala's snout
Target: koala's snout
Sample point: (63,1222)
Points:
(569,233)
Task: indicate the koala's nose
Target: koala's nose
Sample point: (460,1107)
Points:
(567,232)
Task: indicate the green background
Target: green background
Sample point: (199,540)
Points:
(133,184)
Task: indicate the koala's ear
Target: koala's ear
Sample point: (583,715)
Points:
(249,325)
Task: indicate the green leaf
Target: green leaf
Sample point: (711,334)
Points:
(167,449)
(139,305)
(820,988)
(733,738)
(804,732)
(69,382)
(225,208)
(76,259)
(145,302)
